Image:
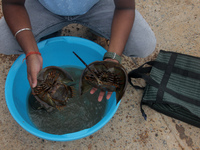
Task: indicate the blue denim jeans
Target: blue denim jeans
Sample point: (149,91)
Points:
(141,41)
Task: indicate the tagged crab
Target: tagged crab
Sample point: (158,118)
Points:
(53,88)
(105,75)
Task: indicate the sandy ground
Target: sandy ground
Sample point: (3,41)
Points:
(176,25)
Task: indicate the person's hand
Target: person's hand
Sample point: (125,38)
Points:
(102,93)
(34,65)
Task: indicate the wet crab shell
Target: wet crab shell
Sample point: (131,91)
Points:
(58,93)
(113,77)
(64,76)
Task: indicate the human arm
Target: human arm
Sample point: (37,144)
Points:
(122,24)
(17,18)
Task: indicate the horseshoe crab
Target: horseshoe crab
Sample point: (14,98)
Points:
(105,75)
(53,88)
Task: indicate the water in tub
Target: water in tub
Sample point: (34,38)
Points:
(81,112)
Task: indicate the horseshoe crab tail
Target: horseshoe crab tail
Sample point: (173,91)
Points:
(99,81)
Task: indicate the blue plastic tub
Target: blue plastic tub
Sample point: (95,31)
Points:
(57,52)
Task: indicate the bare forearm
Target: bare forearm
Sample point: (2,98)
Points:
(121,26)
(17,18)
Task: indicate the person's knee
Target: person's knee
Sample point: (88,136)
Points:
(148,47)
(8,44)
(142,40)
(141,46)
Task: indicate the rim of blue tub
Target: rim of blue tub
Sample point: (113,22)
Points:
(53,137)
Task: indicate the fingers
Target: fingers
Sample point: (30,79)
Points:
(93,90)
(108,95)
(34,80)
(34,65)
(101,94)
(29,79)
